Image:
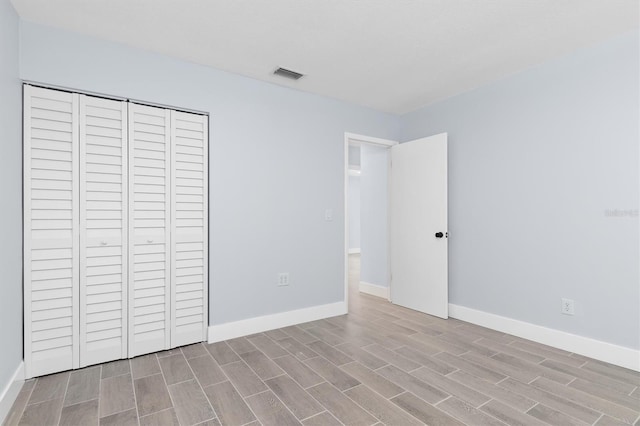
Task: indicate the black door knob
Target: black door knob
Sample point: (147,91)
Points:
(439,235)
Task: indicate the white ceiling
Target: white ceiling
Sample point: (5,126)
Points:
(391,55)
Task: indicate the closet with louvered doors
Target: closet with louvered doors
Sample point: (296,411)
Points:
(115,229)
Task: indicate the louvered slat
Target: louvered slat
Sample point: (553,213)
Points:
(51,251)
(189,212)
(103,230)
(149,230)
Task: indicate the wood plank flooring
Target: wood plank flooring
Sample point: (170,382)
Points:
(381,364)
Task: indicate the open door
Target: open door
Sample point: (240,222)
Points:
(418,225)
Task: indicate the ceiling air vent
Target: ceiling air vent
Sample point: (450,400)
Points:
(283,72)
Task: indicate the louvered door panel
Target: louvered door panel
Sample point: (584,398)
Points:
(149,229)
(103,230)
(189,245)
(51,222)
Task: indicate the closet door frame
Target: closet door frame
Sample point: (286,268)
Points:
(205,191)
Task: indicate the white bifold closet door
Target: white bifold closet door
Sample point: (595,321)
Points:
(51,228)
(149,229)
(189,230)
(115,229)
(103,230)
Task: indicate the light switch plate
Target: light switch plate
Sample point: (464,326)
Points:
(328,215)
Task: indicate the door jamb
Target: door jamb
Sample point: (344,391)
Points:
(354,137)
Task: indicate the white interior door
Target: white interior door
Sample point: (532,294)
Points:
(189,228)
(149,229)
(103,230)
(418,225)
(50,231)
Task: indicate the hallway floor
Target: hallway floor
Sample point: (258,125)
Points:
(380,364)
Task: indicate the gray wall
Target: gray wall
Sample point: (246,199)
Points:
(276,164)
(354,212)
(374,267)
(535,161)
(11,196)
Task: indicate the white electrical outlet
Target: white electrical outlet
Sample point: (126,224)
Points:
(283,279)
(567,307)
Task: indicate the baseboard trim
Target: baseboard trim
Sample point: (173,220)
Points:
(596,349)
(354,251)
(231,330)
(11,391)
(374,290)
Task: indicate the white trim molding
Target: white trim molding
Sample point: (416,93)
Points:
(596,349)
(374,290)
(231,330)
(11,391)
(354,251)
(355,139)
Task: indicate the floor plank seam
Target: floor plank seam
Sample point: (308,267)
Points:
(64,395)
(99,388)
(115,412)
(200,386)
(27,402)
(164,379)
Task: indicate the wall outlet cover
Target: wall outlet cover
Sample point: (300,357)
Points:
(283,279)
(567,307)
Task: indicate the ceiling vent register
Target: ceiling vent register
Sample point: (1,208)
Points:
(283,72)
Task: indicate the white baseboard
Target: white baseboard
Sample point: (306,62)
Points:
(354,251)
(374,290)
(231,330)
(11,391)
(603,351)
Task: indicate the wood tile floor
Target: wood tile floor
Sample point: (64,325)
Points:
(381,364)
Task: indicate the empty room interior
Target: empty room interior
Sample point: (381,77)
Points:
(305,212)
